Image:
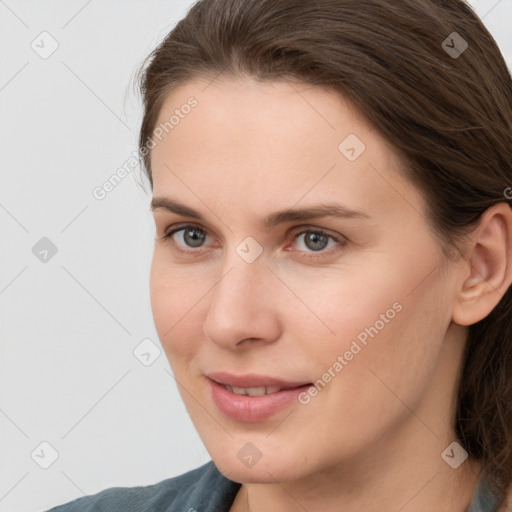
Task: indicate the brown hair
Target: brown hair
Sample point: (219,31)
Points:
(449,115)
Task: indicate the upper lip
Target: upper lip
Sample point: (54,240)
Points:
(251,380)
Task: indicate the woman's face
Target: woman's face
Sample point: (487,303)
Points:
(358,303)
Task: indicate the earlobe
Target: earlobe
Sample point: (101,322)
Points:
(488,269)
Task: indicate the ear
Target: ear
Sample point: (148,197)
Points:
(488,266)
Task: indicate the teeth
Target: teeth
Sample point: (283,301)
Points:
(254,391)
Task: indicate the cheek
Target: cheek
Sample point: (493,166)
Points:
(392,366)
(380,320)
(175,302)
(332,309)
(394,355)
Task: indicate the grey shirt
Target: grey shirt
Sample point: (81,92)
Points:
(204,489)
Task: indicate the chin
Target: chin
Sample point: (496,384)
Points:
(268,469)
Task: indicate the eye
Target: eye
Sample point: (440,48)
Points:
(316,241)
(190,236)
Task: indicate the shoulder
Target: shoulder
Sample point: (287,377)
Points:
(485,497)
(204,488)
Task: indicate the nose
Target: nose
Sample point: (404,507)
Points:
(243,308)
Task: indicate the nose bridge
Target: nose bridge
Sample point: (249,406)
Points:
(241,304)
(244,272)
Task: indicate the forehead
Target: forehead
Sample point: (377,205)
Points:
(260,117)
(268,140)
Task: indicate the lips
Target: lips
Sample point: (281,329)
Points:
(253,398)
(253,381)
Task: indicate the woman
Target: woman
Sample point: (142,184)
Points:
(333,256)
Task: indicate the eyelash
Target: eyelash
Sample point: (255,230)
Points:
(312,255)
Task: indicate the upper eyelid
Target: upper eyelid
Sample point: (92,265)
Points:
(179,226)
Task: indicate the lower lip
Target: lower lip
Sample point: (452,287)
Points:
(253,409)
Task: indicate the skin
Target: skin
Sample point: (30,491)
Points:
(372,438)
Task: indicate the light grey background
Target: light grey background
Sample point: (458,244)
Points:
(69,325)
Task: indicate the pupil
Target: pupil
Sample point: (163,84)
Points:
(193,240)
(314,238)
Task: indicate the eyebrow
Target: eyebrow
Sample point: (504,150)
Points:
(273,219)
